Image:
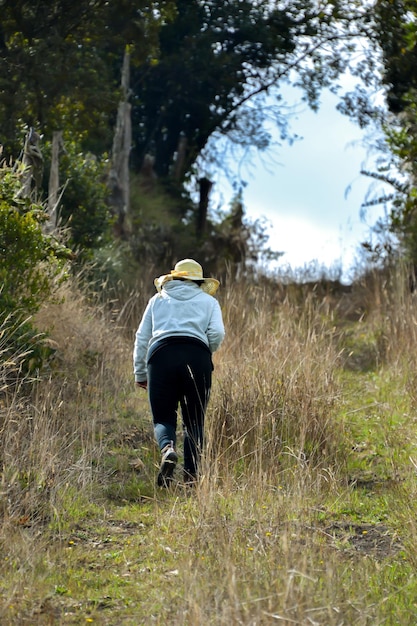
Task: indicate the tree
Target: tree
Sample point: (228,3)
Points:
(220,64)
(60,67)
(196,67)
(200,70)
(30,262)
(394,35)
(29,259)
(83,209)
(219,59)
(60,64)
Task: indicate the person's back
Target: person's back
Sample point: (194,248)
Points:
(182,309)
(180,329)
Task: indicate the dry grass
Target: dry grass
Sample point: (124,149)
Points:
(52,429)
(309,391)
(274,394)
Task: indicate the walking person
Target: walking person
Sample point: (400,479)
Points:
(181,327)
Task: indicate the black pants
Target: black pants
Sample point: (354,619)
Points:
(179,374)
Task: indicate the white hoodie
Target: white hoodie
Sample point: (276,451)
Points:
(181,309)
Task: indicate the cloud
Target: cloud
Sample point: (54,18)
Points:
(316,172)
(305,194)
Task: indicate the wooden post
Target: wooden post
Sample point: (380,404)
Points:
(118,179)
(205,187)
(53,186)
(180,158)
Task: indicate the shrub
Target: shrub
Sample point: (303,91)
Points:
(30,260)
(84,209)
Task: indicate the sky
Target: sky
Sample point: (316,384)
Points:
(313,191)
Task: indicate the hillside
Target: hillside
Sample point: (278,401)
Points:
(305,513)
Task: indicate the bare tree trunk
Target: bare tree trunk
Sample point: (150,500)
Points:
(32,161)
(205,188)
(118,180)
(53,187)
(179,161)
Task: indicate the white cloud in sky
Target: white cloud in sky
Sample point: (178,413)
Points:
(305,195)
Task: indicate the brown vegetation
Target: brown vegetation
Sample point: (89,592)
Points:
(309,433)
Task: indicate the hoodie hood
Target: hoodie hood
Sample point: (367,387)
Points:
(181,290)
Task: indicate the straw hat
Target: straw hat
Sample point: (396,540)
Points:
(189,270)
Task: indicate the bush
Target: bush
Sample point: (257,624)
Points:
(30,260)
(84,208)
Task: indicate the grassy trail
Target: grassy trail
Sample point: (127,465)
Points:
(305,514)
(242,551)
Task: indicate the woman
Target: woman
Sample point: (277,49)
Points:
(180,329)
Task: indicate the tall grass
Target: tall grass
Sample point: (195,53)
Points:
(52,422)
(267,536)
(274,392)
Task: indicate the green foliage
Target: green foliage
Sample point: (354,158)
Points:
(22,348)
(83,208)
(395,32)
(402,141)
(29,259)
(164,230)
(202,72)
(217,57)
(195,66)
(60,63)
(397,36)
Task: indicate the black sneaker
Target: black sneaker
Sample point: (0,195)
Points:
(167,467)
